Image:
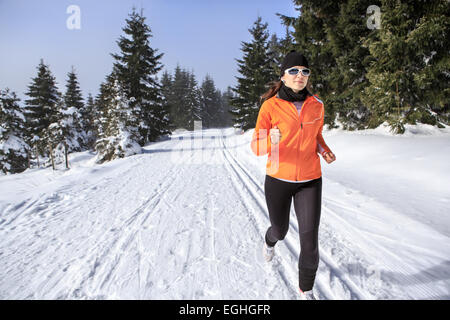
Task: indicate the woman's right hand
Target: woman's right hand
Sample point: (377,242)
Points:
(275,135)
(329,157)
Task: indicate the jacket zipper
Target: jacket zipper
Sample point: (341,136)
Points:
(301,132)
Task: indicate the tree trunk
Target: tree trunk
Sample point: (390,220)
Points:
(51,156)
(37,156)
(66,154)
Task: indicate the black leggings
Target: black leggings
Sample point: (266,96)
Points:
(307,204)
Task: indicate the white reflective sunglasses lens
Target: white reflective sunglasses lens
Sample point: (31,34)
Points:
(294,71)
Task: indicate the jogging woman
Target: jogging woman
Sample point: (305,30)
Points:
(289,130)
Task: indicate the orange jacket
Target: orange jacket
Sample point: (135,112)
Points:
(295,156)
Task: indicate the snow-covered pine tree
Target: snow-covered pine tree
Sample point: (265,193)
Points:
(256,72)
(118,133)
(41,109)
(13,148)
(71,115)
(136,67)
(100,122)
(55,136)
(89,114)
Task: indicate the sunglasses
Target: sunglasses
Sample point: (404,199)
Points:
(294,71)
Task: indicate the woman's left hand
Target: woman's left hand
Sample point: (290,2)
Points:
(329,157)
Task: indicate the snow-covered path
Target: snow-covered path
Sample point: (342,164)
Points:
(186,219)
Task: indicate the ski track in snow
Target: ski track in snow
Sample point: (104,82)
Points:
(335,275)
(348,267)
(186,220)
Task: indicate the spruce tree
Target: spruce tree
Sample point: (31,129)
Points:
(178,90)
(90,114)
(136,67)
(13,147)
(193,101)
(211,113)
(102,102)
(71,114)
(397,73)
(56,135)
(41,108)
(220,115)
(183,101)
(228,115)
(278,48)
(168,98)
(118,133)
(397,93)
(429,41)
(256,72)
(347,79)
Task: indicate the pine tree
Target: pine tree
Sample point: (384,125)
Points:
(397,93)
(429,41)
(347,80)
(279,48)
(212,112)
(185,99)
(180,89)
(102,102)
(42,108)
(228,115)
(13,148)
(71,114)
(256,72)
(56,135)
(89,114)
(220,115)
(168,98)
(136,67)
(193,101)
(118,133)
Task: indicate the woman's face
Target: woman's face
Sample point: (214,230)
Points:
(295,82)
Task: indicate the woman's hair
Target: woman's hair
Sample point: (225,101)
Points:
(275,87)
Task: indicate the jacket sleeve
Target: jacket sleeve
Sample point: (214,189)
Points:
(321,145)
(260,140)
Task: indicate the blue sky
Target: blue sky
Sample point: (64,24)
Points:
(203,36)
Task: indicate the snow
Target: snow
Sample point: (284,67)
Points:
(12,142)
(185,219)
